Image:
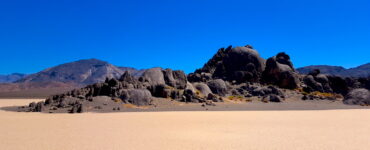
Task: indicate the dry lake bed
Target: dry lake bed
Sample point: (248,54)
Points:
(272,130)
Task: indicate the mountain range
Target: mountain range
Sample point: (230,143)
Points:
(61,78)
(360,71)
(11,77)
(88,71)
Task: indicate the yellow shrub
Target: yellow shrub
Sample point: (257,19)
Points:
(117,100)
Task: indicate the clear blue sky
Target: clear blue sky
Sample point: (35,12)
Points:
(180,34)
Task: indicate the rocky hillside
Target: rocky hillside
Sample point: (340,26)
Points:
(59,78)
(360,71)
(11,77)
(233,73)
(80,72)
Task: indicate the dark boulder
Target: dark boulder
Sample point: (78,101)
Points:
(199,77)
(203,89)
(189,96)
(214,98)
(239,64)
(77,108)
(311,84)
(318,82)
(176,79)
(39,107)
(358,97)
(138,97)
(339,85)
(271,98)
(168,77)
(264,91)
(180,79)
(161,90)
(128,81)
(153,76)
(218,86)
(279,71)
(283,58)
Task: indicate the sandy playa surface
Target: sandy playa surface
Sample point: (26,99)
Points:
(309,129)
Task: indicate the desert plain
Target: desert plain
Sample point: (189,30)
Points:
(332,129)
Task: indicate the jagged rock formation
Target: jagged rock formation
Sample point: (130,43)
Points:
(280,71)
(317,82)
(127,90)
(218,86)
(232,72)
(238,64)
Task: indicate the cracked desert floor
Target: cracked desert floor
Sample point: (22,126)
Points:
(268,130)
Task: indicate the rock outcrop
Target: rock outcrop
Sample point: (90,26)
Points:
(279,71)
(218,86)
(237,72)
(358,97)
(240,64)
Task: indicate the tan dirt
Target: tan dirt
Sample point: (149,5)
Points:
(268,130)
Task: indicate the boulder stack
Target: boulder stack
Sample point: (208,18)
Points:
(240,64)
(279,71)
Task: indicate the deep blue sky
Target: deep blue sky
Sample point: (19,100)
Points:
(180,34)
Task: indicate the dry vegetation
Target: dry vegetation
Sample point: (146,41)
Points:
(238,98)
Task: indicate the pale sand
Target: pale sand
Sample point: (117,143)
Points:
(316,129)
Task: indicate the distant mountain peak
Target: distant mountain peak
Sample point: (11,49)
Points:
(360,71)
(85,71)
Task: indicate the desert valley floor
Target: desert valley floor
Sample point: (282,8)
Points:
(283,129)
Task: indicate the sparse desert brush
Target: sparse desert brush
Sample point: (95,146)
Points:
(322,94)
(129,105)
(326,95)
(231,97)
(239,97)
(300,90)
(197,92)
(168,87)
(117,100)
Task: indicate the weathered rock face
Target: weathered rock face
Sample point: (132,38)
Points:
(203,89)
(279,71)
(138,97)
(153,76)
(358,97)
(263,91)
(339,85)
(238,64)
(218,86)
(154,82)
(176,79)
(238,72)
(364,82)
(315,81)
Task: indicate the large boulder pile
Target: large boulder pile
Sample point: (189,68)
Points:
(126,90)
(232,71)
(240,64)
(315,81)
